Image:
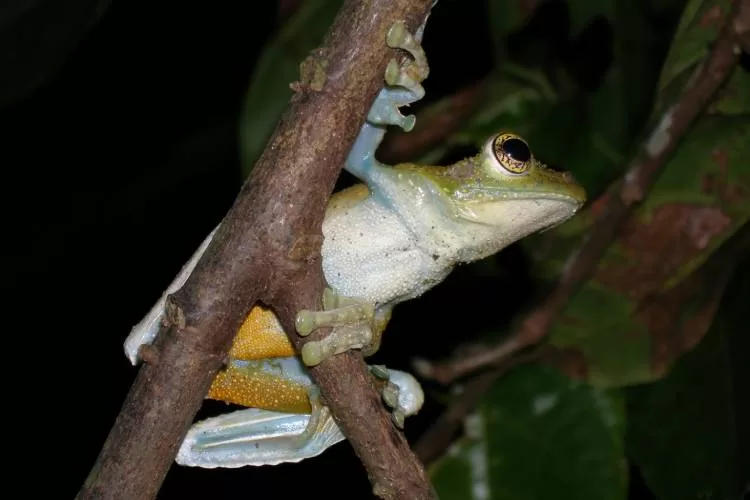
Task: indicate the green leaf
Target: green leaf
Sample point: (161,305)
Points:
(700,201)
(690,432)
(601,326)
(708,170)
(734,96)
(278,66)
(538,435)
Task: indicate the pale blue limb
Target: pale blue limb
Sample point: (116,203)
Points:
(259,437)
(403,88)
(262,437)
(402,393)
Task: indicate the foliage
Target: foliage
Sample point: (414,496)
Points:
(538,433)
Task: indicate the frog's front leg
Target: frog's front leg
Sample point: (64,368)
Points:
(359,325)
(403,87)
(403,81)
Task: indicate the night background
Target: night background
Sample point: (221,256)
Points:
(121,146)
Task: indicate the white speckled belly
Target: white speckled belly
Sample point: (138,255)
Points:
(369,254)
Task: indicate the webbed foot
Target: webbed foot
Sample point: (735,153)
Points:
(403,79)
(410,74)
(401,392)
(259,437)
(352,322)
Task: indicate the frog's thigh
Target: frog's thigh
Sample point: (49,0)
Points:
(254,386)
(261,336)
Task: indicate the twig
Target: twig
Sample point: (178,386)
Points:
(616,205)
(268,249)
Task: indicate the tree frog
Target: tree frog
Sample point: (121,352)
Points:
(386,241)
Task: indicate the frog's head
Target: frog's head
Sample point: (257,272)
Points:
(506,187)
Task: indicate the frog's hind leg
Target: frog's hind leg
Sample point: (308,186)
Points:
(259,437)
(401,392)
(287,422)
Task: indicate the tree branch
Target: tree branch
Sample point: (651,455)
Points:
(268,249)
(616,205)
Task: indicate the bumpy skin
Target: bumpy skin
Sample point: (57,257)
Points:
(385,241)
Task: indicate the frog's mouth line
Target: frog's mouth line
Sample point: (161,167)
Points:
(533,211)
(483,195)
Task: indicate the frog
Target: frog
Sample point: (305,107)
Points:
(386,240)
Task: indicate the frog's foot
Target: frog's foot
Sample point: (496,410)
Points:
(410,74)
(404,81)
(259,437)
(351,320)
(401,392)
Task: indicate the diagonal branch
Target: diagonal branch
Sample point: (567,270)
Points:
(268,249)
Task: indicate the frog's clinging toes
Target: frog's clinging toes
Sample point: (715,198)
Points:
(387,240)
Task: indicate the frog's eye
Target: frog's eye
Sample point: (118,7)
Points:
(512,153)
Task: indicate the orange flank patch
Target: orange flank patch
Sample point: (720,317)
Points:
(256,389)
(261,337)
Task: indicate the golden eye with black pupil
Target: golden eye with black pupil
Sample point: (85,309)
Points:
(512,153)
